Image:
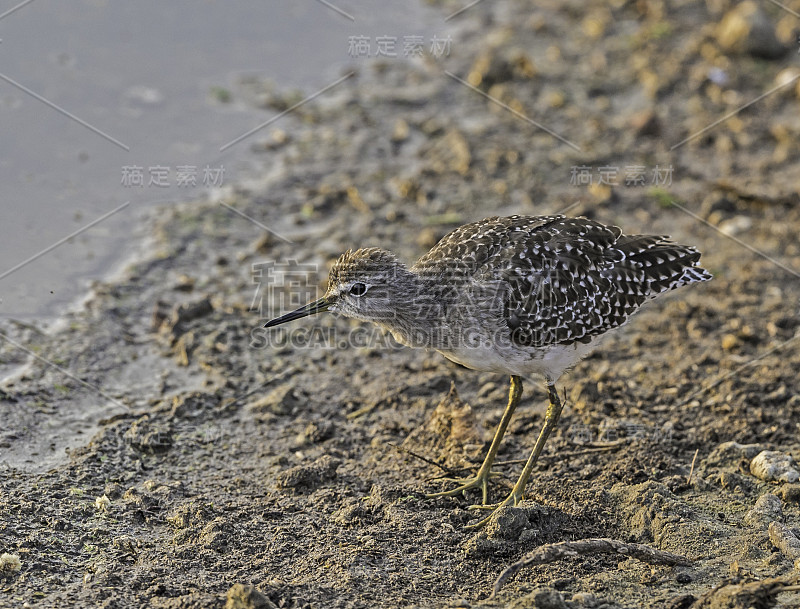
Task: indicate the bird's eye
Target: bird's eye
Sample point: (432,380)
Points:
(358,289)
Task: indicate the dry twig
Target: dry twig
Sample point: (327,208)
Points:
(444,468)
(736,593)
(691,470)
(557,551)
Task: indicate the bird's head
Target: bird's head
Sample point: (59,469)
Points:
(364,284)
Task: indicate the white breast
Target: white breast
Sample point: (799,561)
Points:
(550,361)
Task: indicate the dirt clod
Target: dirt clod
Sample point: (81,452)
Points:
(770,465)
(282,400)
(247,596)
(309,477)
(507,523)
(149,436)
(766,509)
(542,598)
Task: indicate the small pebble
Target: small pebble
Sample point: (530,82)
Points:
(102,503)
(790,493)
(9,563)
(774,466)
(767,508)
(730,342)
(735,225)
(400,131)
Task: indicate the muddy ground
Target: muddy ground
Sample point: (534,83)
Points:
(203,452)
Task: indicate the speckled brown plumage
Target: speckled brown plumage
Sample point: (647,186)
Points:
(567,279)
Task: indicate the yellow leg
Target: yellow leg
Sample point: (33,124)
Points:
(481,479)
(516,495)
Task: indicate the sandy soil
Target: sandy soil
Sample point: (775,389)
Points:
(222,465)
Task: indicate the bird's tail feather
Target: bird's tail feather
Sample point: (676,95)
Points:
(666,264)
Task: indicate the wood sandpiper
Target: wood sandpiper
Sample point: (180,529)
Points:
(520,295)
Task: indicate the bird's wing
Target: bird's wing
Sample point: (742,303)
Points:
(562,280)
(575,279)
(466,250)
(558,289)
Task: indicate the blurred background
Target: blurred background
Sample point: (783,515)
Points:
(95,93)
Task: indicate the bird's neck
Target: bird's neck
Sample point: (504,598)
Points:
(418,310)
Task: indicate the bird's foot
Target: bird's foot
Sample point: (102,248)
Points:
(514,499)
(481,480)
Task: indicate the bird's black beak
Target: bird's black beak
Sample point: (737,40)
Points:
(312,308)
